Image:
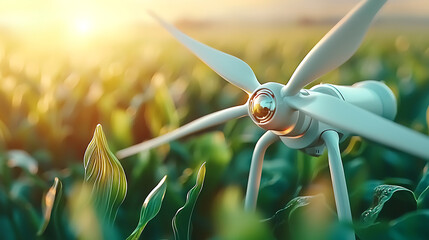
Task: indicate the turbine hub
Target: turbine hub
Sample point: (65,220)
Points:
(262,105)
(270,110)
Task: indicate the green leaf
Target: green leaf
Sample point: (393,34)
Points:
(161,113)
(5,173)
(50,205)
(233,222)
(121,127)
(412,226)
(150,208)
(389,202)
(20,210)
(423,200)
(304,165)
(279,178)
(182,219)
(213,149)
(355,147)
(105,174)
(300,214)
(424,182)
(283,214)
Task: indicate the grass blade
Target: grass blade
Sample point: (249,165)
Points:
(150,208)
(50,205)
(106,175)
(182,220)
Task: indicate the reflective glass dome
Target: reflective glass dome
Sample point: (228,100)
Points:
(262,105)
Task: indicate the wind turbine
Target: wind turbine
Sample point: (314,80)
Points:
(308,120)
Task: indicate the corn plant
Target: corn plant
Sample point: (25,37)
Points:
(52,102)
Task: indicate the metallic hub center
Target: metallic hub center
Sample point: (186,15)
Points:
(262,106)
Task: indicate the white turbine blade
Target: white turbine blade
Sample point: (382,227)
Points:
(347,117)
(229,67)
(194,126)
(336,47)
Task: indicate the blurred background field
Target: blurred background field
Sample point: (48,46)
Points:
(139,83)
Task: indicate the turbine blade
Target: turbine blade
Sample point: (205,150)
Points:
(228,67)
(348,117)
(194,126)
(336,47)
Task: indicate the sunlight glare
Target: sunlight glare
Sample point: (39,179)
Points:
(83,26)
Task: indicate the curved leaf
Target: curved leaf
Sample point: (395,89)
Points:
(423,200)
(150,208)
(299,215)
(424,182)
(182,220)
(50,204)
(411,226)
(19,158)
(284,214)
(106,175)
(389,202)
(355,147)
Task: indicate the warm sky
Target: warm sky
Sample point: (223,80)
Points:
(278,9)
(16,13)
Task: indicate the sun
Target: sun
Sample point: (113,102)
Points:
(82,25)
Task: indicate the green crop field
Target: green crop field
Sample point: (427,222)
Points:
(141,83)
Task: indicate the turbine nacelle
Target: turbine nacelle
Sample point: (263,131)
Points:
(372,96)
